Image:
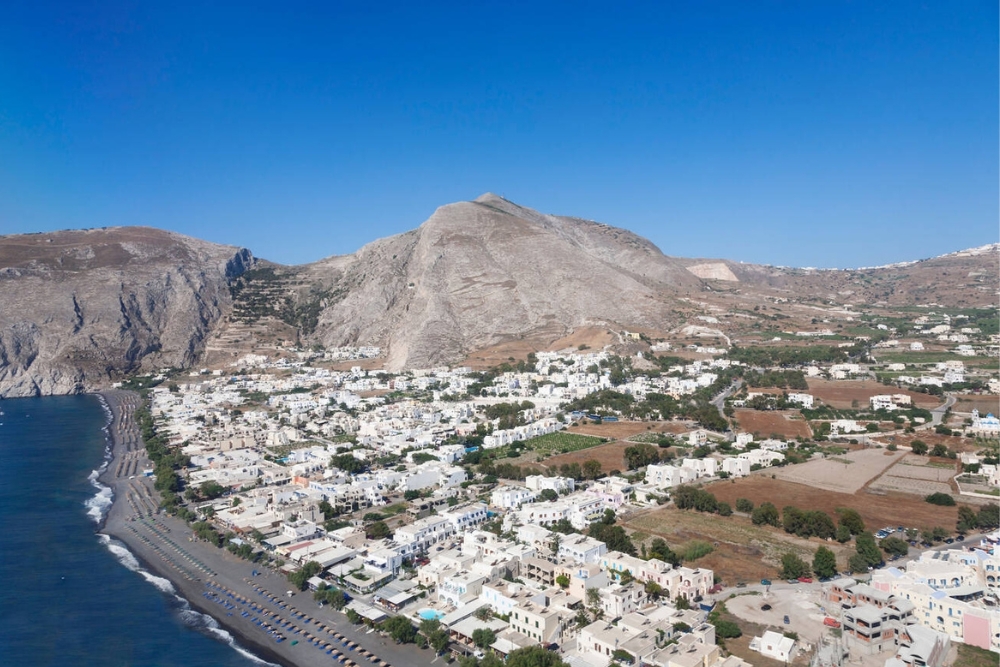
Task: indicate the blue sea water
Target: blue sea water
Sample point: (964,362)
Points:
(67,596)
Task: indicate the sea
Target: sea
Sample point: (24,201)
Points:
(69,596)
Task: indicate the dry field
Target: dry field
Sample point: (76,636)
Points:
(920,475)
(611,456)
(932,438)
(743,551)
(841,393)
(768,423)
(847,473)
(877,509)
(623,430)
(985,403)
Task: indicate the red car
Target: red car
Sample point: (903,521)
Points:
(805,580)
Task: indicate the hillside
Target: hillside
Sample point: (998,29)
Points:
(479,280)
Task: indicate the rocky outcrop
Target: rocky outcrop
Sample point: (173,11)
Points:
(80,309)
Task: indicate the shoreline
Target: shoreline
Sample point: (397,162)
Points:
(124,458)
(211,581)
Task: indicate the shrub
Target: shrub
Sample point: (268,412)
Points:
(943,499)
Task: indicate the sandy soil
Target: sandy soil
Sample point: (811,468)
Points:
(768,423)
(847,473)
(625,429)
(611,456)
(841,393)
(877,510)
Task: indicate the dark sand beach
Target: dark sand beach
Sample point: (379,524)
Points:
(254,609)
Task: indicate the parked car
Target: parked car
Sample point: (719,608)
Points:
(805,580)
(765,607)
(765,582)
(787,621)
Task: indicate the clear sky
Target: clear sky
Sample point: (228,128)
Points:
(813,133)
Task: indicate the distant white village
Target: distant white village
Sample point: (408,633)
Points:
(300,452)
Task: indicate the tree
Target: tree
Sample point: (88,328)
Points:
(614,536)
(727,630)
(767,514)
(641,455)
(483,638)
(867,549)
(857,563)
(653,590)
(943,499)
(793,567)
(622,656)
(681,603)
(658,549)
(744,505)
(563,580)
(918,447)
(548,494)
(439,640)
(211,490)
(824,563)
(989,517)
(939,450)
(534,656)
(852,520)
(300,578)
(400,629)
(377,531)
(967,519)
(591,469)
(895,546)
(843,534)
(725,509)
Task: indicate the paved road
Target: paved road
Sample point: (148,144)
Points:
(720,401)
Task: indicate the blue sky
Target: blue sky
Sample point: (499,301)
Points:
(797,133)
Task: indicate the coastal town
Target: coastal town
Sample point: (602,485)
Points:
(553,503)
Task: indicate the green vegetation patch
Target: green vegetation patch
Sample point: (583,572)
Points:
(562,442)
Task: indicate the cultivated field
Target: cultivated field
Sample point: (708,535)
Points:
(846,473)
(877,509)
(768,423)
(919,475)
(611,456)
(842,393)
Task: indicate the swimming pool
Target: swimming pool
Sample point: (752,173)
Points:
(429,614)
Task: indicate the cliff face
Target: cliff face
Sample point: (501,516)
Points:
(79,309)
(480,273)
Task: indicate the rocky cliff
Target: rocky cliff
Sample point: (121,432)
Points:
(80,309)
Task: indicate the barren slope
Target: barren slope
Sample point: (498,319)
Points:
(478,273)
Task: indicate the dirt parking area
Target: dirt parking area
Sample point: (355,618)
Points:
(802,603)
(841,394)
(846,473)
(773,423)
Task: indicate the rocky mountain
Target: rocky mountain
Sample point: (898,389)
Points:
(79,309)
(478,273)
